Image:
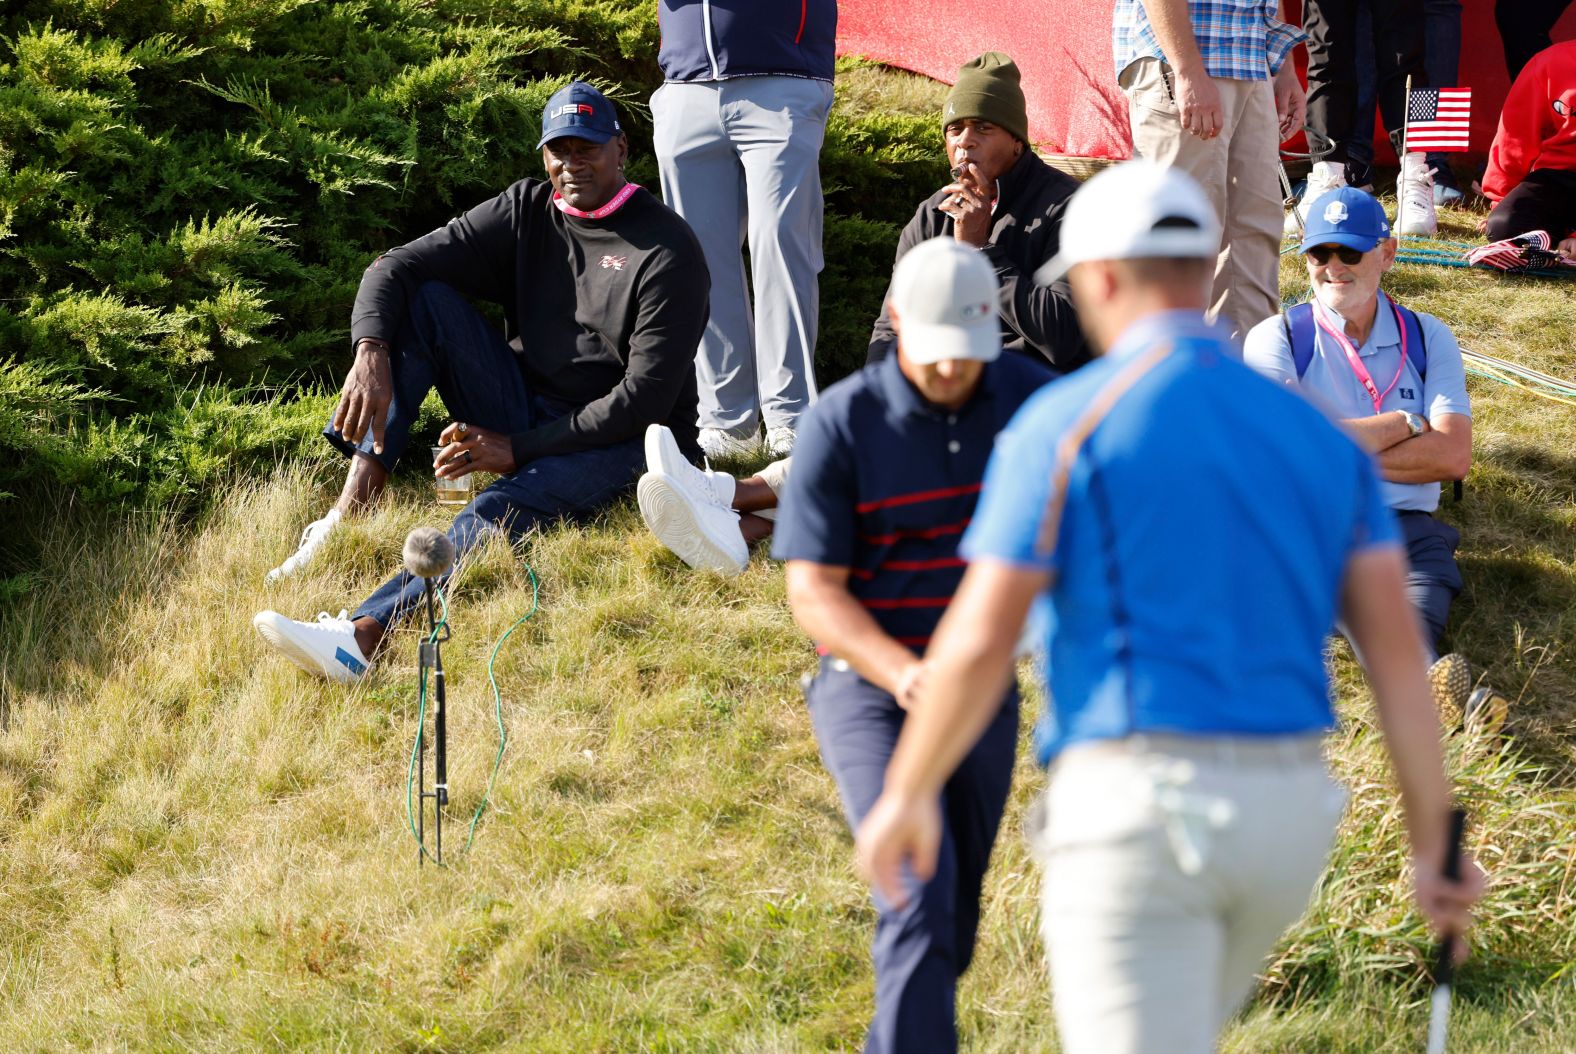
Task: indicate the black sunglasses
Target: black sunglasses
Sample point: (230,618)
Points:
(1320,254)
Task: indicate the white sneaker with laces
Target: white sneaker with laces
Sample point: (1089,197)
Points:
(663,456)
(326,647)
(701,530)
(779,441)
(1323,178)
(312,538)
(716,443)
(1415,214)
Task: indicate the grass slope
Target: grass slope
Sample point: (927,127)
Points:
(204,850)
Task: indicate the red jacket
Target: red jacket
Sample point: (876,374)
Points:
(1537,128)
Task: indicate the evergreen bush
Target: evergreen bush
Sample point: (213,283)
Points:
(190,189)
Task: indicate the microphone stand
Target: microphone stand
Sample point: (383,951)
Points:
(431,657)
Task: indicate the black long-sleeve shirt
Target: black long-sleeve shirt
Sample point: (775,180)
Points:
(605,313)
(1025,233)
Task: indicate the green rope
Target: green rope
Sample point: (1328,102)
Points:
(503,734)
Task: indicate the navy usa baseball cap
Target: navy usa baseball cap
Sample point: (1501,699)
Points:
(1345,216)
(579,110)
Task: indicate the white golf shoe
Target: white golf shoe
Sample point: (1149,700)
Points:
(688,515)
(326,647)
(312,539)
(1324,177)
(1415,215)
(717,444)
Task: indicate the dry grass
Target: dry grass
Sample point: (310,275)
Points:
(204,850)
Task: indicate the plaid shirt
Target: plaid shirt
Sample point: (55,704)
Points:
(1239,39)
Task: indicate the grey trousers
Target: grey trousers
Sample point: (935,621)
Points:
(741,159)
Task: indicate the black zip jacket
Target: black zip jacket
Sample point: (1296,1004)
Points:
(1036,320)
(606,314)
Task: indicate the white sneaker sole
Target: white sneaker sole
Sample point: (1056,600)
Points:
(667,512)
(277,631)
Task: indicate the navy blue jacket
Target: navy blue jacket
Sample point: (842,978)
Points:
(714,40)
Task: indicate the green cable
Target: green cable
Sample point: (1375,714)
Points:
(503,733)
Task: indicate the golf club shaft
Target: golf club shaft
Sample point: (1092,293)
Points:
(1444,965)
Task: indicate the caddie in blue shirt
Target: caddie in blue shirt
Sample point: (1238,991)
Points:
(1188,587)
(1394,378)
(885,478)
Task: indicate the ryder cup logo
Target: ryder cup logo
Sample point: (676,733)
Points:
(1335,212)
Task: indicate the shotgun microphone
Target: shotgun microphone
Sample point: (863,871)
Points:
(429,554)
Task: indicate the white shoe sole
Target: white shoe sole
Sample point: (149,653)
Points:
(276,630)
(667,512)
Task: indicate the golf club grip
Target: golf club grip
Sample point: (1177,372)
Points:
(1444,966)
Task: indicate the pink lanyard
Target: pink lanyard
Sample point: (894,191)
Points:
(1363,376)
(597,214)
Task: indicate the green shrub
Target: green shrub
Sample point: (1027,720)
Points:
(190,189)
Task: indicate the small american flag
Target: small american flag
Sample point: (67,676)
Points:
(1438,119)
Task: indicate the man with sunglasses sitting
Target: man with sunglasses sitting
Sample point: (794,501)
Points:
(1395,379)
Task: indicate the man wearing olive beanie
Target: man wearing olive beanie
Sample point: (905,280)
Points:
(1006,202)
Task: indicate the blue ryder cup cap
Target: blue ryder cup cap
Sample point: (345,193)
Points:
(579,110)
(1345,216)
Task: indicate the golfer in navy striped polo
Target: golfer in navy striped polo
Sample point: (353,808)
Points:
(886,473)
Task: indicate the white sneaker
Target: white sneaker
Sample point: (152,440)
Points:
(312,538)
(717,444)
(664,458)
(1323,178)
(1415,214)
(779,441)
(326,647)
(701,531)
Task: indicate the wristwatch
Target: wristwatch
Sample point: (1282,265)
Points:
(1414,422)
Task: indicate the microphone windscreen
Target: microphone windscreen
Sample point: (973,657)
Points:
(428,552)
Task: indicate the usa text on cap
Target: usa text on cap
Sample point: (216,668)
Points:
(579,110)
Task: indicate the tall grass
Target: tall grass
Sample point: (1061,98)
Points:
(201,849)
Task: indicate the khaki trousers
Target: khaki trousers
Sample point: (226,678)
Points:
(1237,171)
(1171,866)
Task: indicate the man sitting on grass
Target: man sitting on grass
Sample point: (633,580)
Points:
(1395,379)
(1531,175)
(604,297)
(887,470)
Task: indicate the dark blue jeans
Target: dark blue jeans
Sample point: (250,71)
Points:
(922,950)
(1441,58)
(1432,578)
(446,344)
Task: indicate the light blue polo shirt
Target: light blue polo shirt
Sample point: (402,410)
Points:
(1198,520)
(1331,384)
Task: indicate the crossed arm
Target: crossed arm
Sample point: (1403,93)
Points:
(1442,452)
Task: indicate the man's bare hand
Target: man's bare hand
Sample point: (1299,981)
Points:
(364,402)
(909,684)
(1198,100)
(896,832)
(1448,905)
(1567,248)
(1291,102)
(968,202)
(470,448)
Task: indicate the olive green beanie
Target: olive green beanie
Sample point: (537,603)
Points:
(988,89)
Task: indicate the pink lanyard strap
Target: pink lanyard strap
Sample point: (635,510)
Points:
(1355,360)
(597,214)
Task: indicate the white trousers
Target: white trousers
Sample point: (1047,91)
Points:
(1171,866)
(740,160)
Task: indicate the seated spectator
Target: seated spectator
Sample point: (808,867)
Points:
(1395,379)
(889,466)
(603,291)
(1531,175)
(1006,202)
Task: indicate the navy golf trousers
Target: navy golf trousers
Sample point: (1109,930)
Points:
(446,344)
(921,950)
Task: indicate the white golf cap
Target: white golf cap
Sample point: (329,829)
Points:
(1132,210)
(944,294)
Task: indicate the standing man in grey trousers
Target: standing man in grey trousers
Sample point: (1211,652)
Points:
(739,121)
